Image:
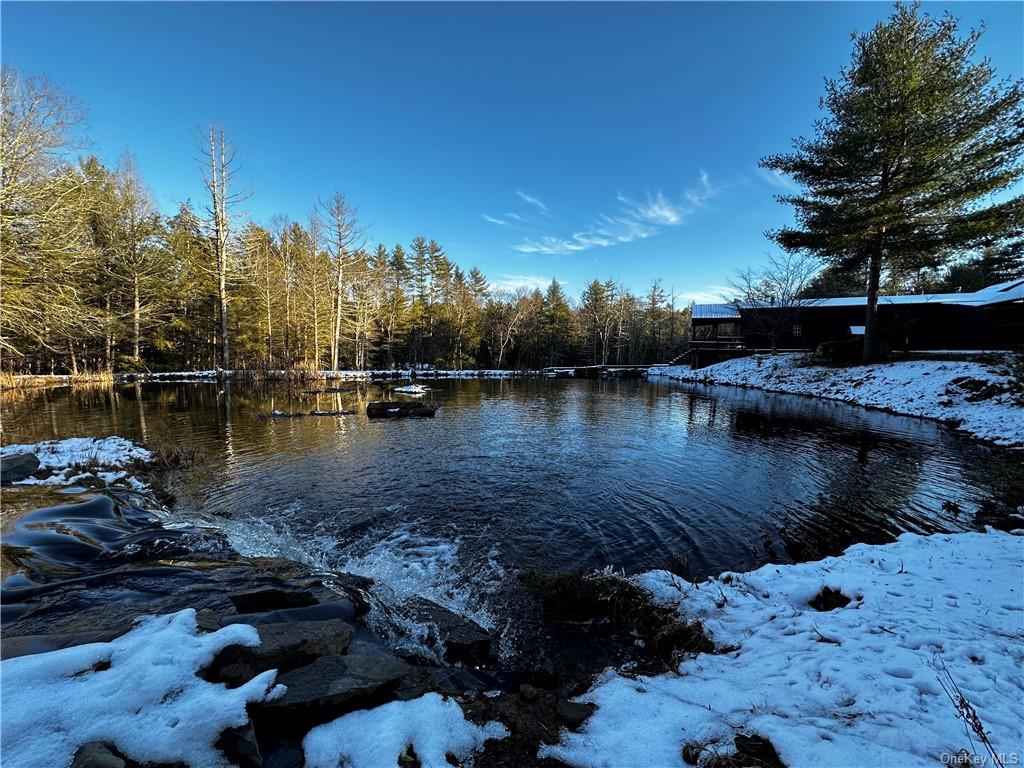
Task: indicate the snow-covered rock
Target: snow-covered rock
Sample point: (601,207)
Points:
(432,724)
(416,390)
(863,682)
(945,390)
(77,459)
(139,693)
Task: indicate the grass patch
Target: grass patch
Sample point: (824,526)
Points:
(172,456)
(572,596)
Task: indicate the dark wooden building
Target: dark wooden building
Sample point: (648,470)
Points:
(992,318)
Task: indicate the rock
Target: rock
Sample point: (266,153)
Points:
(391,410)
(409,758)
(284,647)
(17,467)
(96,754)
(448,681)
(239,746)
(26,645)
(573,713)
(528,692)
(341,608)
(336,684)
(756,750)
(269,599)
(462,639)
(285,755)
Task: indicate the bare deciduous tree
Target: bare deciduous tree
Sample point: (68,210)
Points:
(342,235)
(774,292)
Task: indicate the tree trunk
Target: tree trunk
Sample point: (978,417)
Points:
(266,296)
(108,339)
(316,327)
(871,314)
(136,317)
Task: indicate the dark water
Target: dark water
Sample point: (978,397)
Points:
(542,474)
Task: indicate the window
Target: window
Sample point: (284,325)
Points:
(797,330)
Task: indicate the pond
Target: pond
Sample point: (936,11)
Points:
(541,474)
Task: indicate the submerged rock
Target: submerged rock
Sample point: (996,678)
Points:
(391,410)
(460,639)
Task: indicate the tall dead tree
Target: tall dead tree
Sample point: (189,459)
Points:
(220,162)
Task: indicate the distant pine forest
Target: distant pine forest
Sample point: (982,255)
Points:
(96,279)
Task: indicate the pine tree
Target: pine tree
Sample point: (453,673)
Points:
(917,138)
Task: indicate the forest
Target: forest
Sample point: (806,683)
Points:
(96,279)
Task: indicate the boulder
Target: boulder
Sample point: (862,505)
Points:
(333,685)
(462,639)
(283,646)
(17,467)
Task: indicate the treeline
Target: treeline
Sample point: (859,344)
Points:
(95,278)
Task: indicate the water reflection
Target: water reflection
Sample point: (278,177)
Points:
(570,474)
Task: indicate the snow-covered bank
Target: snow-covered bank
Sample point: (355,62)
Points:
(971,395)
(140,693)
(841,687)
(74,460)
(384,374)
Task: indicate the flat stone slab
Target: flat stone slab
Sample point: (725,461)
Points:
(337,682)
(283,646)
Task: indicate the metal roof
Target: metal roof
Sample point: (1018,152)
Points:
(1012,290)
(715,312)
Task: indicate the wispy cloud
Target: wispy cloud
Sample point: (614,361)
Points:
(634,220)
(709,294)
(531,200)
(494,220)
(778,180)
(512,282)
(549,245)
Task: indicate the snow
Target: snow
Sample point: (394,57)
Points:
(855,685)
(149,703)
(922,388)
(433,725)
(75,459)
(412,389)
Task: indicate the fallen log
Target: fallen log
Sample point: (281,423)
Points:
(300,414)
(392,410)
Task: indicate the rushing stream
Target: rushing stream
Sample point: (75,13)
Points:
(534,474)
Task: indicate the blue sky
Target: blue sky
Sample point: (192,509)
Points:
(532,140)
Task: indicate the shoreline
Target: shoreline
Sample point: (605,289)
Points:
(829,614)
(974,398)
